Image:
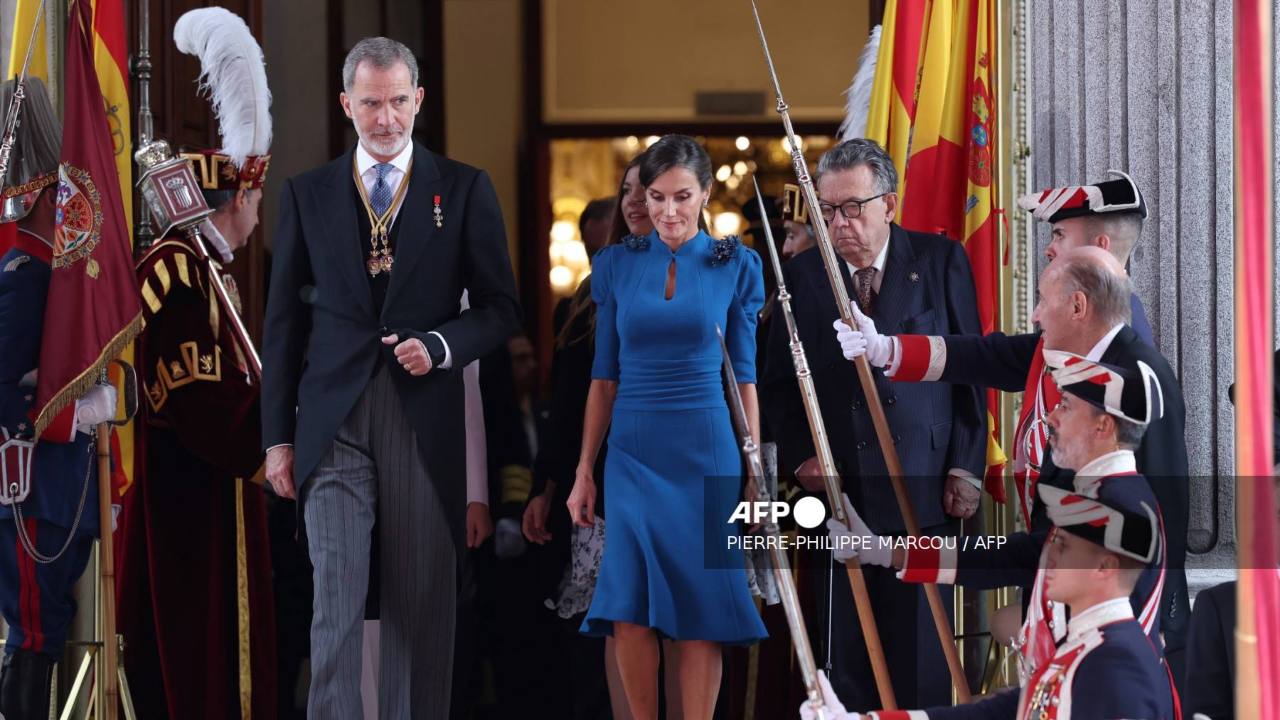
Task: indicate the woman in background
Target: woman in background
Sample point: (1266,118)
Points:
(571,553)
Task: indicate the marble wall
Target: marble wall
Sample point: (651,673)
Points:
(1145,86)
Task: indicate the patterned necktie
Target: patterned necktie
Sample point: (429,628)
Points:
(381,195)
(865,276)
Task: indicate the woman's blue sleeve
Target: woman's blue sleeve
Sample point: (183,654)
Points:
(740,335)
(605,364)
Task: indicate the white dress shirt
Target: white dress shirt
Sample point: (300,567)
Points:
(878,265)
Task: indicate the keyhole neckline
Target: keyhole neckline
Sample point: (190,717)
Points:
(683,246)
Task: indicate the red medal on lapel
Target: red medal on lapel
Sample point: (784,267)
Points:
(438,213)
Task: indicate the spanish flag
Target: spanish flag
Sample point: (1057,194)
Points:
(26,15)
(110,63)
(933,110)
(893,92)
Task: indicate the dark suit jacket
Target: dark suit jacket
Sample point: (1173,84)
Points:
(321,339)
(927,288)
(1003,361)
(1210,683)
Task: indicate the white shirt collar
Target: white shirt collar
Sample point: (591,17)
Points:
(365,161)
(1089,477)
(878,264)
(1096,353)
(1104,613)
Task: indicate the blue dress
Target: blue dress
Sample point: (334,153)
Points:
(674,467)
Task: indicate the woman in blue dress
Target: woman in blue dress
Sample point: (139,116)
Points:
(673,466)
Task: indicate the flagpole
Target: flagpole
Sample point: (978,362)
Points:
(106,581)
(142,72)
(1257,656)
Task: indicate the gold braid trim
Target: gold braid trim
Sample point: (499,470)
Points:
(242,608)
(39,183)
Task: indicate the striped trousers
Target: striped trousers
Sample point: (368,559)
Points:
(375,470)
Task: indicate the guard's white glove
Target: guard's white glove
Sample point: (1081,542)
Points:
(97,406)
(508,541)
(857,540)
(866,340)
(832,708)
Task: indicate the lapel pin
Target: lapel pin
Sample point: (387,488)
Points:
(915,277)
(439,213)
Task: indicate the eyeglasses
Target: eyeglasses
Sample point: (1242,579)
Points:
(851,209)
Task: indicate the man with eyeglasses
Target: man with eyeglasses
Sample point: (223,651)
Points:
(911,282)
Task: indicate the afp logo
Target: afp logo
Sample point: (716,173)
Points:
(809,512)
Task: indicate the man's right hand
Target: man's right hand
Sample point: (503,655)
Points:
(535,518)
(866,340)
(280,471)
(809,475)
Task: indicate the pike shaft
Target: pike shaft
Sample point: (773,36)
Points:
(893,464)
(830,477)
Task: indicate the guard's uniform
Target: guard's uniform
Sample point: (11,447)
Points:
(35,598)
(1109,664)
(196,573)
(1014,363)
(1106,668)
(1019,562)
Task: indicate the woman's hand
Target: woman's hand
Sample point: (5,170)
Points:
(582,500)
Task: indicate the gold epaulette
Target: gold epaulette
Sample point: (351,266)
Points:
(166,263)
(517,482)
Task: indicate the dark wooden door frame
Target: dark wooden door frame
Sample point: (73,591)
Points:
(429,129)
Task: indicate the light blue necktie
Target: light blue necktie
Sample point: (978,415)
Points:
(381,195)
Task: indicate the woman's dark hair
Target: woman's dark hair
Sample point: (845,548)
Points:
(581,303)
(618,224)
(673,151)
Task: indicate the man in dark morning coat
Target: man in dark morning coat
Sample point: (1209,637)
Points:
(362,394)
(914,283)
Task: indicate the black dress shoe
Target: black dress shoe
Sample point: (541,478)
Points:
(25,681)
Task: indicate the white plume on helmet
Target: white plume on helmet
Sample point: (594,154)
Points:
(234,74)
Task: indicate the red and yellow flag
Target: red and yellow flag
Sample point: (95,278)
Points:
(893,92)
(94,308)
(933,110)
(110,62)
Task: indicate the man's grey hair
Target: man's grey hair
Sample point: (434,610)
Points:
(861,151)
(1128,433)
(1108,293)
(381,53)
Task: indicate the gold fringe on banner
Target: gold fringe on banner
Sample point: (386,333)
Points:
(76,389)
